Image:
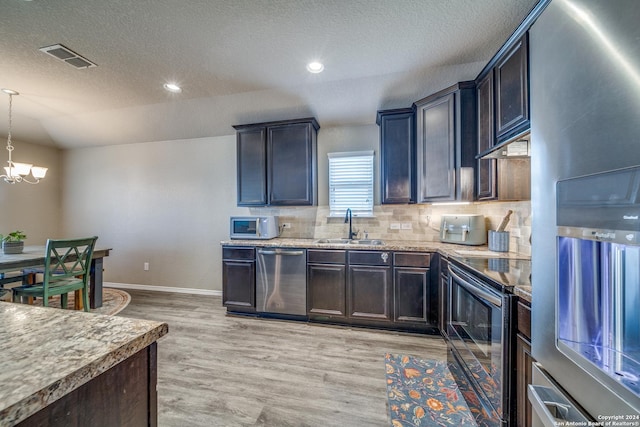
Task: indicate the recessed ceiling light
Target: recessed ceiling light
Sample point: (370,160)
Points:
(315,67)
(172,87)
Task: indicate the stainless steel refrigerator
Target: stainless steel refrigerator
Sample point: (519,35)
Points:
(585,145)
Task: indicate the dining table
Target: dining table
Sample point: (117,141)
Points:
(34,256)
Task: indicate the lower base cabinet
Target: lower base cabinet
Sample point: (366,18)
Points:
(326,284)
(239,279)
(415,299)
(524,364)
(382,289)
(124,395)
(370,293)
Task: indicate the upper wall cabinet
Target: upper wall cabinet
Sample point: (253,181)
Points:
(397,148)
(277,163)
(512,91)
(486,178)
(446,138)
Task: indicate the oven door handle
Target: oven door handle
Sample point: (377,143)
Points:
(486,295)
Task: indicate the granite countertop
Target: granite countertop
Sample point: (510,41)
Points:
(47,353)
(521,287)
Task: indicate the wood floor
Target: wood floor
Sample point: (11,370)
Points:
(219,370)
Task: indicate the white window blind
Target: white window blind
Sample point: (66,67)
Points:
(351,183)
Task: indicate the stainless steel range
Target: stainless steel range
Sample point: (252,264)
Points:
(480,332)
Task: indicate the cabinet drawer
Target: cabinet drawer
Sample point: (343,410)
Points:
(238,253)
(327,256)
(411,259)
(524,319)
(369,258)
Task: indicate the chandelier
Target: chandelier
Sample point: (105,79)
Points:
(18,172)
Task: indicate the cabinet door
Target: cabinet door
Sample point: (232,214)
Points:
(397,147)
(512,90)
(436,150)
(252,164)
(524,363)
(326,290)
(291,164)
(370,293)
(239,285)
(486,139)
(410,294)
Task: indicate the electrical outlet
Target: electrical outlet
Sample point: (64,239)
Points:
(406,226)
(146,266)
(394,226)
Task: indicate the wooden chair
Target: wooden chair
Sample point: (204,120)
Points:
(14,277)
(66,269)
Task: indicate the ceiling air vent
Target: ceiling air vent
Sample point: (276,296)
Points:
(65,54)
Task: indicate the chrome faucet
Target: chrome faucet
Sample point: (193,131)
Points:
(349,218)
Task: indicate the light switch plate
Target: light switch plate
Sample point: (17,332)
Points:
(394,226)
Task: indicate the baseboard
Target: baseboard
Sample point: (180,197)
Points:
(162,289)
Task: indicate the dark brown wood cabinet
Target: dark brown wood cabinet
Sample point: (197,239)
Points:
(413,299)
(251,152)
(277,163)
(486,173)
(524,364)
(239,279)
(446,144)
(326,284)
(397,158)
(512,90)
(369,286)
(124,395)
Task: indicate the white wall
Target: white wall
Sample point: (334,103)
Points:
(34,209)
(168,203)
(165,203)
(346,138)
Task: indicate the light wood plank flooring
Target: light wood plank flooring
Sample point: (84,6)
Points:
(219,370)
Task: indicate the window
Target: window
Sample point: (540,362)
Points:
(351,183)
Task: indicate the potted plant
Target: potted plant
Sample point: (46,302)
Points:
(13,243)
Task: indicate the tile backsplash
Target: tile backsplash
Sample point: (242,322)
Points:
(415,222)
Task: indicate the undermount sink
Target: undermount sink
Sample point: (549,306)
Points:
(373,242)
(332,241)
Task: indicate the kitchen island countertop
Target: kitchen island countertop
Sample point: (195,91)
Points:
(46,353)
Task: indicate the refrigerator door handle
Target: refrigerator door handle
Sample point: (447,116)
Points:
(552,407)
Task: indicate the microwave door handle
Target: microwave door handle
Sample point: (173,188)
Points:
(492,299)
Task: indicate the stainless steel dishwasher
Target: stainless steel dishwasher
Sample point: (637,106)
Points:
(281,285)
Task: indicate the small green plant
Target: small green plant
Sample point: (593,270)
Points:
(14,236)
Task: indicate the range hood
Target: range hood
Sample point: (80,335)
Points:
(518,147)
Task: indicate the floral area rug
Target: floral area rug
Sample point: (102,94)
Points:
(423,393)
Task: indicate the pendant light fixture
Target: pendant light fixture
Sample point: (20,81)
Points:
(18,172)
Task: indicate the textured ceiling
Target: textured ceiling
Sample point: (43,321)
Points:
(238,61)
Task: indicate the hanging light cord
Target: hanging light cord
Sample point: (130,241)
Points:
(9,146)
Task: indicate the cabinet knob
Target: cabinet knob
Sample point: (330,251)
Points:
(384,256)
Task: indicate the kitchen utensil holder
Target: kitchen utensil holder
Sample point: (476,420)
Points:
(499,241)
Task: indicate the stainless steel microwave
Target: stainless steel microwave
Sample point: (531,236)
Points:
(254,227)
